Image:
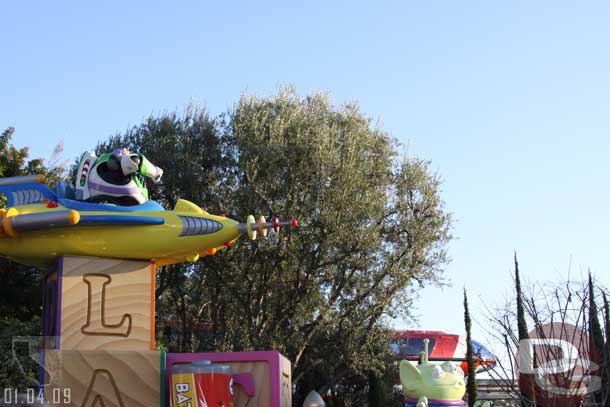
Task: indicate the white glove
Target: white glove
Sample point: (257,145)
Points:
(159,175)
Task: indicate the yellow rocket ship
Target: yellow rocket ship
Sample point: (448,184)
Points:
(40,225)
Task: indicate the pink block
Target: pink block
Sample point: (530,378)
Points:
(273,359)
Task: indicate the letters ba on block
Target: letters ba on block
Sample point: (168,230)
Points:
(270,372)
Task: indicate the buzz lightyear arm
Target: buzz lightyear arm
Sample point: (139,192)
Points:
(149,170)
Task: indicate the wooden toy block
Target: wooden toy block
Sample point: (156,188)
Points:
(93,303)
(104,378)
(270,370)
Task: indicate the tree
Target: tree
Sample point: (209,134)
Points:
(521,323)
(528,395)
(597,336)
(20,291)
(606,316)
(595,331)
(471,386)
(606,353)
(376,391)
(374,228)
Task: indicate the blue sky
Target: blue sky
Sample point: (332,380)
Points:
(509,101)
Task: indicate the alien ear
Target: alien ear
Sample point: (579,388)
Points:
(409,373)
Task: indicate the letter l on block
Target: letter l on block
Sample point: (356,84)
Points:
(96,319)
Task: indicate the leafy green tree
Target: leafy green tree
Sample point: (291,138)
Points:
(471,386)
(20,296)
(17,370)
(14,161)
(20,291)
(373,226)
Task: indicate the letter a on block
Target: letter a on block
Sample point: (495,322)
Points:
(96,324)
(102,391)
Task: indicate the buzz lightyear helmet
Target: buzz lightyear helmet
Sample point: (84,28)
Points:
(122,159)
(112,180)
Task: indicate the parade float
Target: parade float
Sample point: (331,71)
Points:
(99,262)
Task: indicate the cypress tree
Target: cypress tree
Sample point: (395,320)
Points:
(471,386)
(526,399)
(606,356)
(521,323)
(595,329)
(606,319)
(595,333)
(376,393)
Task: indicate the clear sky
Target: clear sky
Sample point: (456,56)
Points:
(509,101)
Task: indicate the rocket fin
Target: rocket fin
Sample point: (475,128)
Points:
(24,191)
(186,206)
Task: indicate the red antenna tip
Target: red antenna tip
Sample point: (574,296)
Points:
(276,225)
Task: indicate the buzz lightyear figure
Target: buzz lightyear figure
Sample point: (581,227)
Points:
(115,178)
